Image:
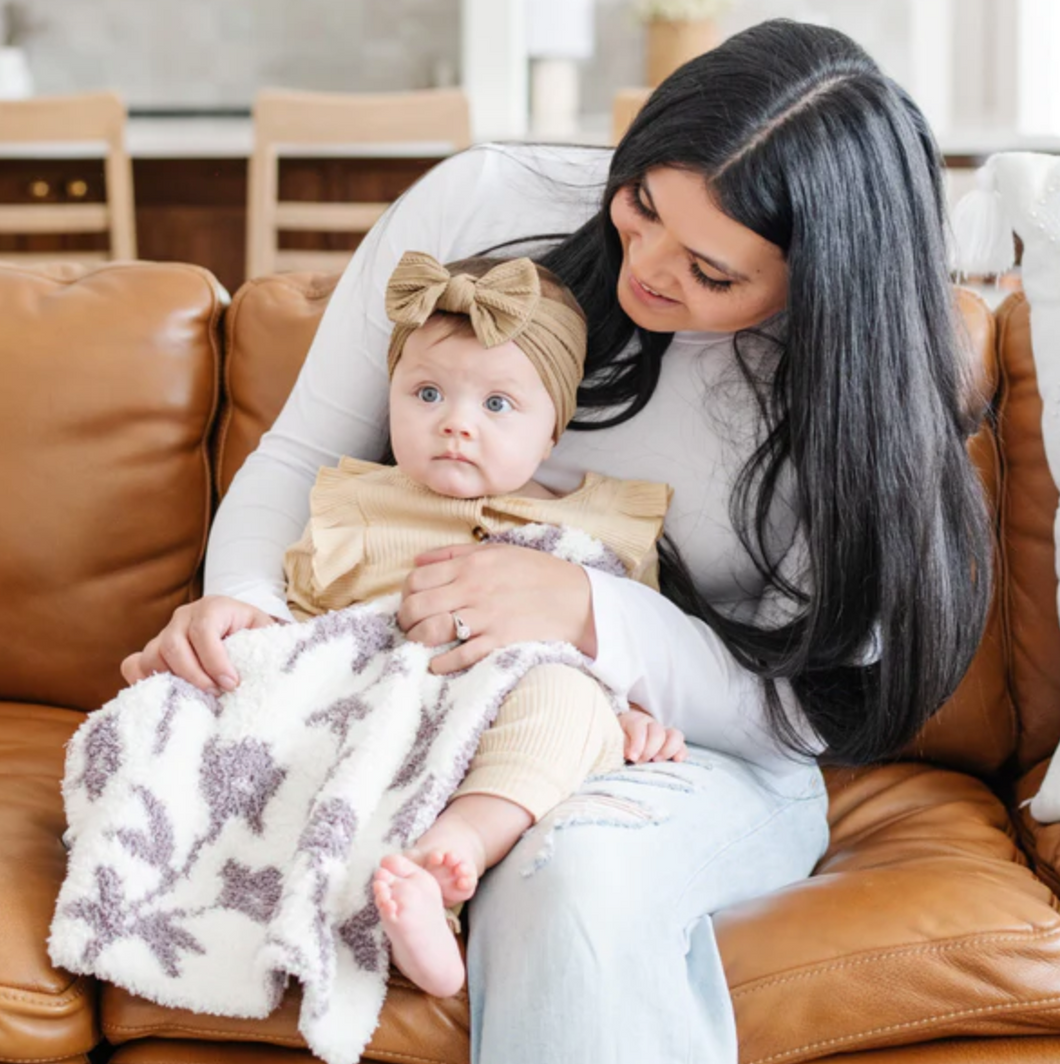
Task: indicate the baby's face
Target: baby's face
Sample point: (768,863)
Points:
(466,421)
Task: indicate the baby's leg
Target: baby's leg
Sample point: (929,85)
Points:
(556,728)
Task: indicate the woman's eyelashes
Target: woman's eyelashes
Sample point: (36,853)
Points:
(707,281)
(640,204)
(636,199)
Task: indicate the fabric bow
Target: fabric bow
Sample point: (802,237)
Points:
(500,304)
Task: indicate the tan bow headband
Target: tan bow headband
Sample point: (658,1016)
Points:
(506,303)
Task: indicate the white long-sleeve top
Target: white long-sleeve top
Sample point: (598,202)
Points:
(695,434)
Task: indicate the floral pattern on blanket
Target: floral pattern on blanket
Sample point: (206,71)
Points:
(221,845)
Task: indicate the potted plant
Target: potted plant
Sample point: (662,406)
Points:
(677,30)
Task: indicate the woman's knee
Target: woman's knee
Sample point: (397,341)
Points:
(565,868)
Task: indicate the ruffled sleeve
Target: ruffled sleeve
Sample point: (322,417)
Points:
(639,508)
(332,547)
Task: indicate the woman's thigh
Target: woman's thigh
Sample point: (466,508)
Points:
(598,902)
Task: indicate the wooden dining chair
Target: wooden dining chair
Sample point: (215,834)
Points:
(304,123)
(98,119)
(624,109)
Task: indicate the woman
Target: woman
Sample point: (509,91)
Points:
(772,333)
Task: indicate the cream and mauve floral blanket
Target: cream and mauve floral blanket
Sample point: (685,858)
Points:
(220,846)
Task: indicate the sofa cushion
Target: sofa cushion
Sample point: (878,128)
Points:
(1041,841)
(955,1051)
(169,1051)
(413,1027)
(268,331)
(110,385)
(1041,1050)
(921,922)
(45,1014)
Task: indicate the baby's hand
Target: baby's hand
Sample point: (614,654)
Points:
(648,740)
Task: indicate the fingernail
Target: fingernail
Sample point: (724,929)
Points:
(229,683)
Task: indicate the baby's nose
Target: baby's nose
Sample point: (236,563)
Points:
(456,426)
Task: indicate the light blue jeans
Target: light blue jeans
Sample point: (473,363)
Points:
(592,942)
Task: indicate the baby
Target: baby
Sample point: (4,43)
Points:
(485,360)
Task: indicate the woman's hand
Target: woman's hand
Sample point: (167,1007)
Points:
(504,595)
(648,740)
(190,645)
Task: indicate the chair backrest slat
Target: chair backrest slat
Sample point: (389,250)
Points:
(292,123)
(88,118)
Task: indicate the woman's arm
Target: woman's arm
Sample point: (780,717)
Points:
(641,645)
(679,670)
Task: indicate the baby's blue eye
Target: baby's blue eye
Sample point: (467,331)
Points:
(429,394)
(498,404)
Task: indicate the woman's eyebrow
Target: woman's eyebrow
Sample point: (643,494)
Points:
(719,266)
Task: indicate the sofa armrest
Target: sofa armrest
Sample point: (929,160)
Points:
(45,1014)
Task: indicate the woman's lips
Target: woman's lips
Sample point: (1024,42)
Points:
(647,296)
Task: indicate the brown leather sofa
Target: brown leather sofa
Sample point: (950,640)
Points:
(130,395)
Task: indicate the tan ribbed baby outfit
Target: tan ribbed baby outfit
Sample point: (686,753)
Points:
(367,524)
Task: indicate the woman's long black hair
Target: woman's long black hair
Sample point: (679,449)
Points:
(800,137)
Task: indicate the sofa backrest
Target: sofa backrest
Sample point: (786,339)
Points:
(113,421)
(1028,511)
(270,327)
(977,729)
(109,396)
(268,330)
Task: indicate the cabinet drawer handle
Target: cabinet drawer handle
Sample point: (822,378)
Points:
(77,189)
(40,189)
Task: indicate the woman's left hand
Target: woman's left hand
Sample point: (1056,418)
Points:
(503,594)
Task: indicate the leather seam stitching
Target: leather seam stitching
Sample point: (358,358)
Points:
(44,1060)
(378,1054)
(78,989)
(1003,325)
(961,1013)
(156,1029)
(902,951)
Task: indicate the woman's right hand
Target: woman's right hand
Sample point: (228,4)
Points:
(190,644)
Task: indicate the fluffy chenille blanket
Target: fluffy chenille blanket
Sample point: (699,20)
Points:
(221,845)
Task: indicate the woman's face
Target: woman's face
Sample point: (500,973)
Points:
(686,266)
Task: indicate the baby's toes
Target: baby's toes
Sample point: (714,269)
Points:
(384,899)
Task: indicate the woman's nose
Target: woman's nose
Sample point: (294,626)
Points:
(652,254)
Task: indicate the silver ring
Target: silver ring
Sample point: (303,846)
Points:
(463,632)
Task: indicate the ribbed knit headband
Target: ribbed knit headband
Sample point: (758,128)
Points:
(504,304)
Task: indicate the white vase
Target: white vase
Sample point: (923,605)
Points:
(554,98)
(16,83)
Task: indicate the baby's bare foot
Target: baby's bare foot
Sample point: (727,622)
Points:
(410,905)
(456,875)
